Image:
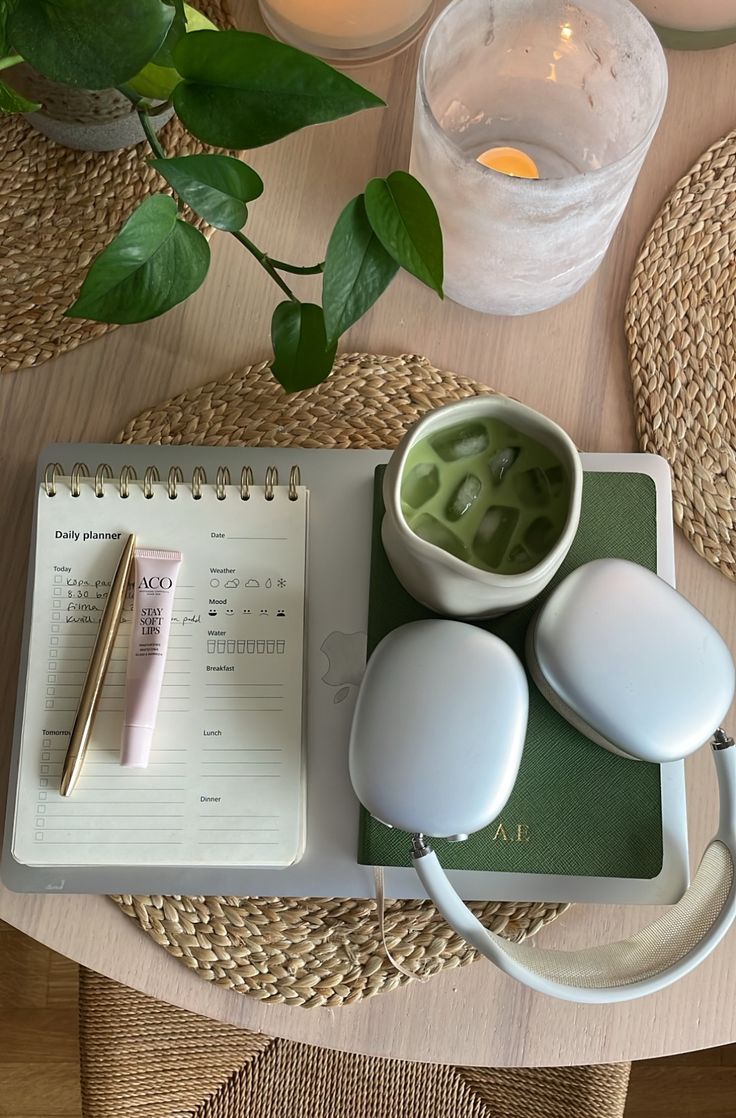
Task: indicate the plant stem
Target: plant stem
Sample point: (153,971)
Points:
(263,259)
(296,270)
(11,60)
(266,263)
(151,134)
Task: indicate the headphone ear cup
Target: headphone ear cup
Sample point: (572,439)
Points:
(556,701)
(630,663)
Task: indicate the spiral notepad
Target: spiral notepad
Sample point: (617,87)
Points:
(225,780)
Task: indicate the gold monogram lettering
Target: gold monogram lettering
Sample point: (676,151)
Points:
(519,833)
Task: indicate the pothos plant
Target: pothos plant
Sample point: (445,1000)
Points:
(231,90)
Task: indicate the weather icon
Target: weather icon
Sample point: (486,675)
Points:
(232,584)
(252,584)
(281,583)
(214,582)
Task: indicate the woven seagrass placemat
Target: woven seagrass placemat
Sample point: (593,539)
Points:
(302,951)
(682,350)
(58,209)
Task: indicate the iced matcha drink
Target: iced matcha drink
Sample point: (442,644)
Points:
(487,494)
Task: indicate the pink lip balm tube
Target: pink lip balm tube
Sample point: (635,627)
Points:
(156,573)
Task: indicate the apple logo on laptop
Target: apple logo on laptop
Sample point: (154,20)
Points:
(346,654)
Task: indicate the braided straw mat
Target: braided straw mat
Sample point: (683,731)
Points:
(141,1058)
(682,350)
(302,951)
(58,209)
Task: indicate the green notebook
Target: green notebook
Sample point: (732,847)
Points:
(576,809)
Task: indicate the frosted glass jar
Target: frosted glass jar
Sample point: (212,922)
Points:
(578,88)
(692,24)
(346,31)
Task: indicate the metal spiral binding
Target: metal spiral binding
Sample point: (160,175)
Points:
(221,481)
(127,474)
(50,474)
(272,480)
(102,473)
(175,478)
(150,476)
(246,480)
(79,469)
(199,478)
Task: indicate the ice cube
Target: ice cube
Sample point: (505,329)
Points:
(541,535)
(533,488)
(556,477)
(501,463)
(420,484)
(494,534)
(432,530)
(462,441)
(520,558)
(464,497)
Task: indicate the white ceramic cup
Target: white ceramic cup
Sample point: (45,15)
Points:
(441,581)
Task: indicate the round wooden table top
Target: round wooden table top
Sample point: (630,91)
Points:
(570,363)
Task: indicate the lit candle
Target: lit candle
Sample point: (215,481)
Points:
(345,29)
(563,103)
(510,161)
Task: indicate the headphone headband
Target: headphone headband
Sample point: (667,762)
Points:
(655,957)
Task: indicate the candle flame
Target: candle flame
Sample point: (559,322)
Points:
(510,161)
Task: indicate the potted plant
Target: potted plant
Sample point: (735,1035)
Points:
(232,90)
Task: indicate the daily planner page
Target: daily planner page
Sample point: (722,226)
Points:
(224,783)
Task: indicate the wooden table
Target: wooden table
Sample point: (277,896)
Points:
(569,363)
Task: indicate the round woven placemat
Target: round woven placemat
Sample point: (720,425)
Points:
(306,951)
(58,209)
(682,350)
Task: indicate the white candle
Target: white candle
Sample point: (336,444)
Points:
(331,27)
(690,15)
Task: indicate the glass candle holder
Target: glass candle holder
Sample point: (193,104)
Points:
(692,24)
(569,93)
(347,31)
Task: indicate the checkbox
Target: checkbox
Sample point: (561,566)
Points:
(54,629)
(43,795)
(49,704)
(56,616)
(40,822)
(53,667)
(44,768)
(57,591)
(51,691)
(40,809)
(44,784)
(57,578)
(51,678)
(46,756)
(39,836)
(54,640)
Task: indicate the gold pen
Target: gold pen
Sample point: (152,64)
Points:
(96,672)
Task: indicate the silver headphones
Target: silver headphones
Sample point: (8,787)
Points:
(625,659)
